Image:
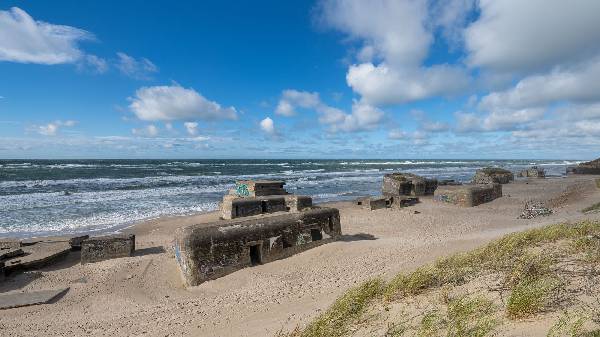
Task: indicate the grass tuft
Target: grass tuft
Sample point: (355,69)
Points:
(334,322)
(531,296)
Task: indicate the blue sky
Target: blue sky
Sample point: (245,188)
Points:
(302,79)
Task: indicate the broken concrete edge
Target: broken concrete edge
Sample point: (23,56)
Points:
(236,207)
(468,195)
(208,251)
(100,248)
(21,299)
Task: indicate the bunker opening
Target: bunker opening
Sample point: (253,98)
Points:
(263,206)
(315,234)
(255,255)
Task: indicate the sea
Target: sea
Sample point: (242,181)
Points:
(61,197)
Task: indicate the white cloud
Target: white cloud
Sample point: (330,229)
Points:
(575,84)
(397,134)
(363,116)
(516,35)
(396,36)
(498,120)
(147,131)
(24,40)
(383,84)
(267,126)
(140,69)
(51,129)
(191,128)
(176,103)
(290,98)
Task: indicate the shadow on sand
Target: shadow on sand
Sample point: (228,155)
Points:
(357,237)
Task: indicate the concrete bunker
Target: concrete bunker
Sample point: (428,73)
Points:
(493,175)
(532,172)
(208,251)
(468,195)
(238,203)
(407,184)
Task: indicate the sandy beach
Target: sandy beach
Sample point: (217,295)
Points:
(144,295)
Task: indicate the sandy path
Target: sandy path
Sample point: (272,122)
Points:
(142,295)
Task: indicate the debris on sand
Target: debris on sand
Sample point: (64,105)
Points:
(534,209)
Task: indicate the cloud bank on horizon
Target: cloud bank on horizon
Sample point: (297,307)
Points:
(423,78)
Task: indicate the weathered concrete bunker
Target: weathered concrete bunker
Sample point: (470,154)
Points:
(209,251)
(489,175)
(408,184)
(249,198)
(255,228)
(468,195)
(533,172)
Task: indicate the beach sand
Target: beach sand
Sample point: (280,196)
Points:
(143,295)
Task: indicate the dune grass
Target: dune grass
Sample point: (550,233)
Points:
(527,275)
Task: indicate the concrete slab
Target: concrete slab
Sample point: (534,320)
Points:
(38,255)
(10,252)
(19,299)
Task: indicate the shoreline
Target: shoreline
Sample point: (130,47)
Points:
(144,293)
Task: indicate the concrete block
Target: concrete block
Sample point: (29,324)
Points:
(102,248)
(208,251)
(10,253)
(468,195)
(257,188)
(76,241)
(407,184)
(235,207)
(373,203)
(493,175)
(533,172)
(38,255)
(17,299)
(297,203)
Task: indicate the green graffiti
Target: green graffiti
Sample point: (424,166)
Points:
(242,190)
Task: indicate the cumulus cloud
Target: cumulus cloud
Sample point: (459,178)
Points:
(191,128)
(267,126)
(396,36)
(363,116)
(25,40)
(140,69)
(176,103)
(147,131)
(51,129)
(575,84)
(498,120)
(524,36)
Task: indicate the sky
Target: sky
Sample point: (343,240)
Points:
(487,79)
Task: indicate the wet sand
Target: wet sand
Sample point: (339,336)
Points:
(143,295)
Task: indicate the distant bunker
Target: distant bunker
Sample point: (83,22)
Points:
(468,195)
(491,175)
(374,203)
(533,172)
(407,184)
(209,251)
(590,167)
